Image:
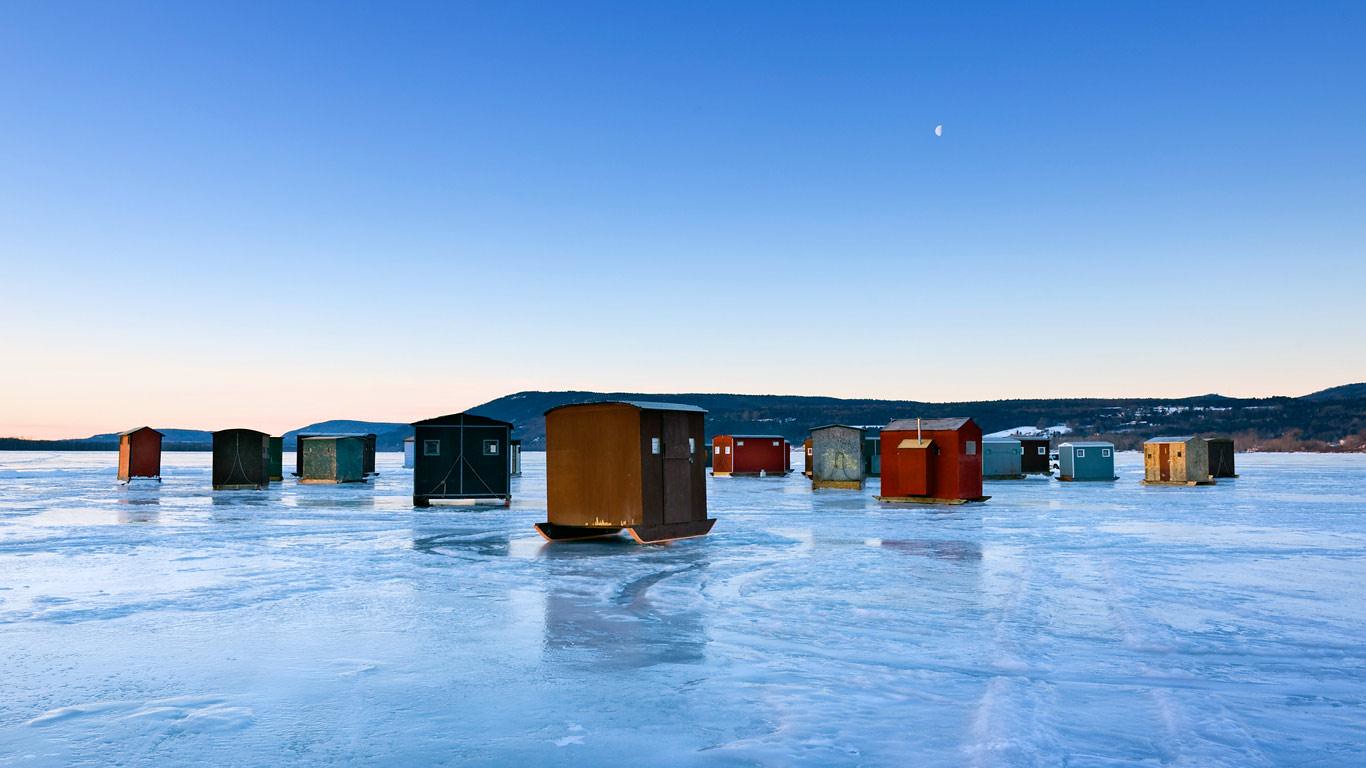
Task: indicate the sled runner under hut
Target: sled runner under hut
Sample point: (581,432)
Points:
(932,461)
(241,460)
(625,465)
(462,459)
(140,454)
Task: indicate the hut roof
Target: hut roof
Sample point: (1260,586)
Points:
(461,419)
(902,425)
(754,437)
(840,426)
(1088,444)
(137,429)
(1178,439)
(644,405)
(1001,440)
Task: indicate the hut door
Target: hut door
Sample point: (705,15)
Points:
(678,464)
(1164,462)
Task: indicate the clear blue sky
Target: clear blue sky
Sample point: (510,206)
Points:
(268,213)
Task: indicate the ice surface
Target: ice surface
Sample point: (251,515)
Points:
(1060,623)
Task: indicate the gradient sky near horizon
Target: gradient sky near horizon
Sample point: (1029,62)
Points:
(270,214)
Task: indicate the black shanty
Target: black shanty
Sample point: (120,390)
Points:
(462,458)
(241,459)
(367,437)
(1220,457)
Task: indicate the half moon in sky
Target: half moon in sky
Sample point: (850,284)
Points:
(939,130)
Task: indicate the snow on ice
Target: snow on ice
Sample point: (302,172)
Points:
(1092,624)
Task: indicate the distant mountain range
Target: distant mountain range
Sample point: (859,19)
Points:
(1332,419)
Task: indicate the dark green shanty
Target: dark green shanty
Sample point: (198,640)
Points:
(462,458)
(277,459)
(332,459)
(367,440)
(241,460)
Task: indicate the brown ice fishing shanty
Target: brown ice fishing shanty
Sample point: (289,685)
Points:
(140,454)
(1176,461)
(625,464)
(932,461)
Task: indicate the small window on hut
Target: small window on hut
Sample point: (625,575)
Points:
(654,446)
(728,450)
(1178,454)
(1022,450)
(692,446)
(1081,453)
(1105,453)
(739,443)
(431,447)
(775,443)
(971,447)
(490,447)
(1042,450)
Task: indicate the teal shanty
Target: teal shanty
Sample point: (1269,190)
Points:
(332,459)
(1001,458)
(1086,461)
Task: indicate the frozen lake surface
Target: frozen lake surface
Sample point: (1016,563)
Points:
(1060,623)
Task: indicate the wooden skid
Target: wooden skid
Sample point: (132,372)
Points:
(720,474)
(656,534)
(846,485)
(554,532)
(463,501)
(927,500)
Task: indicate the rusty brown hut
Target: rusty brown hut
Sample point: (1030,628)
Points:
(140,454)
(625,464)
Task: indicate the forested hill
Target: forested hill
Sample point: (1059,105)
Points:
(1333,419)
(1313,422)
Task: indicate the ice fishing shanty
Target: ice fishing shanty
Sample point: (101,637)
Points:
(277,459)
(140,454)
(1002,458)
(1092,460)
(872,452)
(1176,461)
(332,459)
(409,452)
(368,440)
(932,461)
(836,456)
(1034,454)
(806,457)
(625,464)
(1220,457)
(462,459)
(241,460)
(515,457)
(750,455)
